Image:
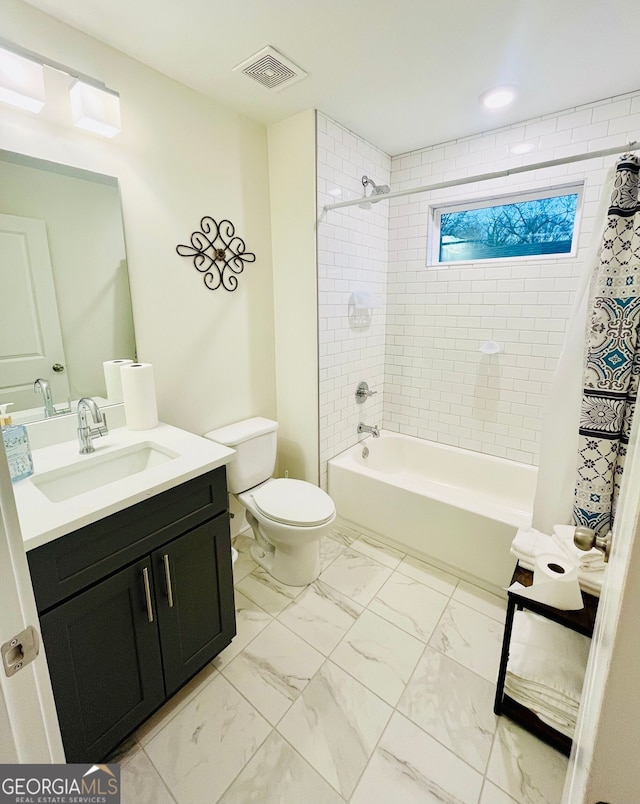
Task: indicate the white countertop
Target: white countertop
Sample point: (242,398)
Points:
(42,520)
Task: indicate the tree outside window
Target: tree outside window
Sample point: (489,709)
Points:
(544,225)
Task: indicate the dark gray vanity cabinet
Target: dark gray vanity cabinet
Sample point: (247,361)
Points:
(105,664)
(133,606)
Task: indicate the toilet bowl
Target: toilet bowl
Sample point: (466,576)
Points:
(288,517)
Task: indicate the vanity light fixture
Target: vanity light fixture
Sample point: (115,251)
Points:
(95,109)
(21,81)
(498,97)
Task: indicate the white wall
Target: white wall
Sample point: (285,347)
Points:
(437,384)
(292,182)
(179,157)
(352,255)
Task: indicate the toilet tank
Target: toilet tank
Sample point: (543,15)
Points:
(255,442)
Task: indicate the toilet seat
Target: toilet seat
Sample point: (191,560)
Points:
(294,502)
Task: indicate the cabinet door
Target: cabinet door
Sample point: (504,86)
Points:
(194,589)
(104,660)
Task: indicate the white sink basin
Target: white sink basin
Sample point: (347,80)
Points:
(94,472)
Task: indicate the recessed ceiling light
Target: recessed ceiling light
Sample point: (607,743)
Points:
(522,148)
(498,97)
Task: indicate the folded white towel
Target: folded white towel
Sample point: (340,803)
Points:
(546,669)
(529,543)
(548,654)
(564,723)
(553,700)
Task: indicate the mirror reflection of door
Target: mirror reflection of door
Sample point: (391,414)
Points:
(83,217)
(30,336)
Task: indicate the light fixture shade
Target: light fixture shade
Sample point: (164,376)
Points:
(522,147)
(498,97)
(21,82)
(95,109)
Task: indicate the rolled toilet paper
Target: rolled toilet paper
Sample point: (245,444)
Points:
(112,378)
(555,583)
(139,394)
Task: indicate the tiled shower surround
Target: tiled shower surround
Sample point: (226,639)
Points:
(352,256)
(436,382)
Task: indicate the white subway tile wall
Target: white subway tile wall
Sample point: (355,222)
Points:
(437,384)
(352,256)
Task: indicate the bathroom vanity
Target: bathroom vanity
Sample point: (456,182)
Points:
(135,592)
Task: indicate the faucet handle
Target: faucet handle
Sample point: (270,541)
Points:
(362,392)
(103,428)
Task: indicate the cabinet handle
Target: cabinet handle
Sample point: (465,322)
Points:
(167,575)
(147,592)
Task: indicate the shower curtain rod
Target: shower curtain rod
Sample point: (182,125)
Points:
(630,146)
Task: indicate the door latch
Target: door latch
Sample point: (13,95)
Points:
(19,651)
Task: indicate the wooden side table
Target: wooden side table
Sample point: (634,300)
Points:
(581,621)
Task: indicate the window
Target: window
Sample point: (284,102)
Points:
(517,226)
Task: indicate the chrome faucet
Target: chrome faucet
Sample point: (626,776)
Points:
(364,428)
(43,386)
(85,432)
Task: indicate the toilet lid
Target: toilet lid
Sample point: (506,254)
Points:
(294,502)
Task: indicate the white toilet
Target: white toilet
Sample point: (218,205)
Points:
(288,517)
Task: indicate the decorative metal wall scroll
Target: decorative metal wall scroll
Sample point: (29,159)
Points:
(218,253)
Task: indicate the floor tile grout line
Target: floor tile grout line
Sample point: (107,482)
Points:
(177,709)
(306,761)
(303,637)
(398,569)
(371,755)
(244,695)
(248,595)
(467,606)
(249,599)
(353,598)
(162,779)
(493,742)
(219,669)
(392,708)
(460,664)
(219,800)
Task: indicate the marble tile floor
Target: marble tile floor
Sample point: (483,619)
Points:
(374,685)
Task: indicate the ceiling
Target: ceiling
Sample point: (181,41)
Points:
(403,74)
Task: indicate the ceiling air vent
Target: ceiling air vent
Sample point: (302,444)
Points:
(271,69)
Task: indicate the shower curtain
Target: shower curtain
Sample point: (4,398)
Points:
(612,365)
(555,490)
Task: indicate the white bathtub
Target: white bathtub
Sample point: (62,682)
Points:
(451,507)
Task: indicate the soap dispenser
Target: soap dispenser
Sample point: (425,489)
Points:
(16,444)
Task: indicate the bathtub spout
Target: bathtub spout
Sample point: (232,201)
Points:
(364,428)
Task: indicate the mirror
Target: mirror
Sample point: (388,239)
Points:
(65,306)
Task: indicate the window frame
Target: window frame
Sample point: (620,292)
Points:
(436,211)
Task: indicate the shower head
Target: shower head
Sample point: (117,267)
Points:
(376,189)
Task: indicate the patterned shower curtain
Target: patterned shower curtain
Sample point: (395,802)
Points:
(612,368)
